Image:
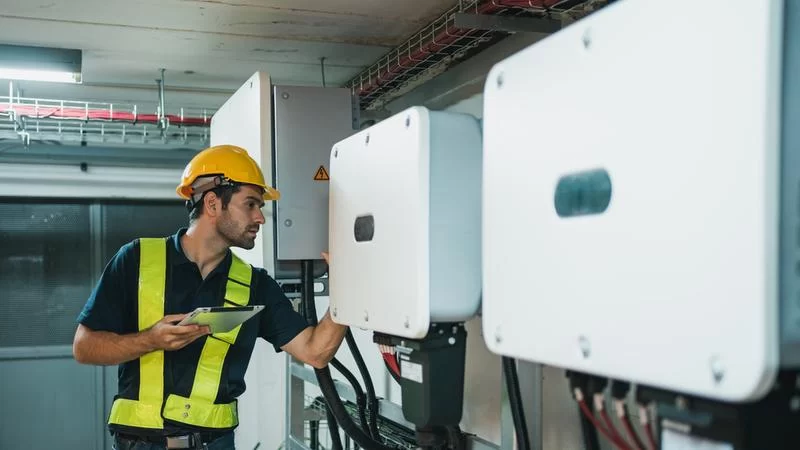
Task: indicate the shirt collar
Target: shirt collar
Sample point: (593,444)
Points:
(178,257)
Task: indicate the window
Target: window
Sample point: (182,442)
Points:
(52,252)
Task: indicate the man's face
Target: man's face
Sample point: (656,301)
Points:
(239,223)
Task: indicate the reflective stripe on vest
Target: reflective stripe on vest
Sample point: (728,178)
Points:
(199,408)
(146,412)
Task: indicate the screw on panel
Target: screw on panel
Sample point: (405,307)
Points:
(285,95)
(334,311)
(288,222)
(366,316)
(367,139)
(451,341)
(717,369)
(499,80)
(498,338)
(335,153)
(408,121)
(585,346)
(407,323)
(587,38)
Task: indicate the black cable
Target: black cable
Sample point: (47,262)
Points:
(333,428)
(580,381)
(345,422)
(361,399)
(324,379)
(313,427)
(515,399)
(322,68)
(310,312)
(307,291)
(362,368)
(590,439)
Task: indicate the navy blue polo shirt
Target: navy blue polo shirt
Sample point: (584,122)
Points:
(113,306)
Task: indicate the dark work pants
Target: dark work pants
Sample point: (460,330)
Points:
(222,443)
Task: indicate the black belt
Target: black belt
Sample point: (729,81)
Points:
(188,440)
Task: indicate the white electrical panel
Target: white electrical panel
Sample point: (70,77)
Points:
(405,223)
(245,120)
(630,197)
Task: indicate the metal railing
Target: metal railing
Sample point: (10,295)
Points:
(429,51)
(84,121)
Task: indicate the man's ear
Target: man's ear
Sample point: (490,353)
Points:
(210,202)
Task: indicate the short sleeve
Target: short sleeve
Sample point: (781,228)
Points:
(109,306)
(280,323)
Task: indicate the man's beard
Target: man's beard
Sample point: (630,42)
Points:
(233,236)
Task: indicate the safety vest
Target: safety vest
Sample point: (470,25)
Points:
(199,409)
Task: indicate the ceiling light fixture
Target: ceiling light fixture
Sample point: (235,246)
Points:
(19,62)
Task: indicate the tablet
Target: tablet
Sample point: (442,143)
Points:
(221,319)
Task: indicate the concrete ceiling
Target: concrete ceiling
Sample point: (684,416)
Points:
(209,47)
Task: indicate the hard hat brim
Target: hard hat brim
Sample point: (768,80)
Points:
(271,194)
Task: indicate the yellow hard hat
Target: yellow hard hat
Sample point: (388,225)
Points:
(231,164)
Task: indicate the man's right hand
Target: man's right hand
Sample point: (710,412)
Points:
(167,335)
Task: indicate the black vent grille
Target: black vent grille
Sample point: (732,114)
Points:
(45,272)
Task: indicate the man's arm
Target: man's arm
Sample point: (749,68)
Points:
(107,348)
(317,345)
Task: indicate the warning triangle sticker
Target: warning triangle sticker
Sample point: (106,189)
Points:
(322,174)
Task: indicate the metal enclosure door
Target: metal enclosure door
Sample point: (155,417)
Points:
(308,121)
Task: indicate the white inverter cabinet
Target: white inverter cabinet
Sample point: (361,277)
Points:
(640,201)
(405,223)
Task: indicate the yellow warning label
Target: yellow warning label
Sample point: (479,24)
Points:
(322,174)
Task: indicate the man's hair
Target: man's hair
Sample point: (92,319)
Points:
(224,193)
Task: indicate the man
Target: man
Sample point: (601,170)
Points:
(178,384)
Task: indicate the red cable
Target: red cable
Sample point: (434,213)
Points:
(650,437)
(448,36)
(392,363)
(438,42)
(98,114)
(644,418)
(529,3)
(588,413)
(611,427)
(626,422)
